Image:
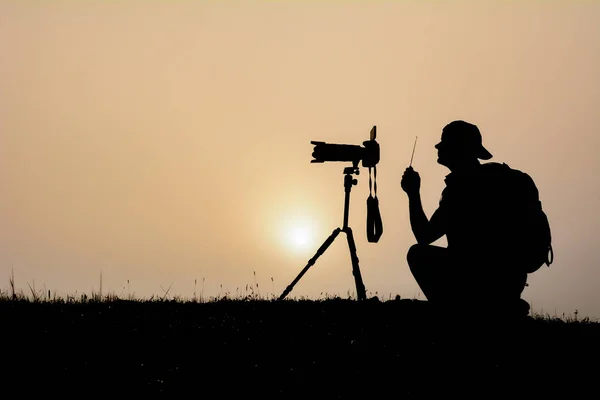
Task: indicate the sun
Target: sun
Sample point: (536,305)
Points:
(299,234)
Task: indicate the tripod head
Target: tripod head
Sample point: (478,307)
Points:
(354,170)
(348,180)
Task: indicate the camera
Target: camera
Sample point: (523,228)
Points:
(368,153)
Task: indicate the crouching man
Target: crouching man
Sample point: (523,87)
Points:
(478,270)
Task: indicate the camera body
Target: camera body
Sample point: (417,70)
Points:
(368,153)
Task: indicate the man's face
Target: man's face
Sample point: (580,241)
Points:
(446,151)
(451,150)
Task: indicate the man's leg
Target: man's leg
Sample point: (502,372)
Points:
(445,278)
(431,267)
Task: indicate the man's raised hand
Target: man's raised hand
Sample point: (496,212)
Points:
(411,181)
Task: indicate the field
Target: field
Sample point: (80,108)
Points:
(331,348)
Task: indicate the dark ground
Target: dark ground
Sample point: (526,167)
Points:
(293,349)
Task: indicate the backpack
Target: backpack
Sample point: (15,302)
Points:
(528,221)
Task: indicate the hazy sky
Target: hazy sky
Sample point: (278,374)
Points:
(166,141)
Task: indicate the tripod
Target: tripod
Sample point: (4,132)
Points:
(360,287)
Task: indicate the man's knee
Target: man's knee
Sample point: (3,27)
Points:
(415,255)
(424,257)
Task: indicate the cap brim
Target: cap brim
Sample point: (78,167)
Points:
(484,154)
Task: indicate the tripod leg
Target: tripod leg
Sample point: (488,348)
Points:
(312,261)
(360,287)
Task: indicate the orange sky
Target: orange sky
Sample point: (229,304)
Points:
(166,141)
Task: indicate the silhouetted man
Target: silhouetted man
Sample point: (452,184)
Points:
(478,268)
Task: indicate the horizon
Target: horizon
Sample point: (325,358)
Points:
(165,143)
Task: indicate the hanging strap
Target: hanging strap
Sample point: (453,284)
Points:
(374,223)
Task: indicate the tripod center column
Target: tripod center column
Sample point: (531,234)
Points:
(348,183)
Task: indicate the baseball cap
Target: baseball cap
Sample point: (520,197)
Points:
(465,134)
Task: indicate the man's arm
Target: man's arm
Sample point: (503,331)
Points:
(425,231)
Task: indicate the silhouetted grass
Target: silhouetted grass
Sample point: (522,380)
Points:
(243,344)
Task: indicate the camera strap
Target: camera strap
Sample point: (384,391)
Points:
(374,223)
